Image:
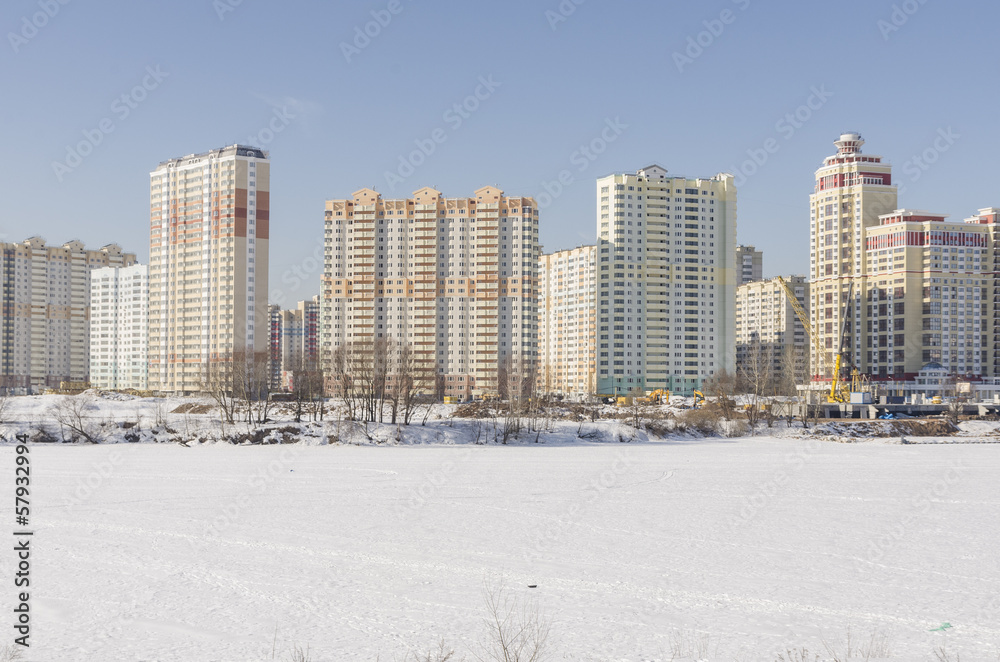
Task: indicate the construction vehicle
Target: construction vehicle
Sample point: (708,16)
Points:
(624,400)
(659,396)
(699,399)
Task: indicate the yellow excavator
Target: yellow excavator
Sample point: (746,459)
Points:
(699,399)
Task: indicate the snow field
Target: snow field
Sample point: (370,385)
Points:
(727,549)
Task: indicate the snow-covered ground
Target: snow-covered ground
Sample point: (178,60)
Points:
(721,549)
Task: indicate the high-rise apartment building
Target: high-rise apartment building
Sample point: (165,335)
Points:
(567,290)
(852,191)
(989,217)
(927,295)
(45,320)
(667,282)
(452,278)
(749,265)
(770,339)
(208,262)
(294,342)
(119,327)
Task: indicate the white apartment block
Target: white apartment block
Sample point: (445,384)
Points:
(667,282)
(770,338)
(567,305)
(208,264)
(454,278)
(852,191)
(119,327)
(294,342)
(749,265)
(45,318)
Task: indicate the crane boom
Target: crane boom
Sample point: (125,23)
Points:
(800,312)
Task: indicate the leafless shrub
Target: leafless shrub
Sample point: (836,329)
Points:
(10,653)
(441,654)
(515,632)
(875,646)
(689,644)
(797,655)
(299,655)
(704,421)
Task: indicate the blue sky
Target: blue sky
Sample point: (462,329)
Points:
(198,74)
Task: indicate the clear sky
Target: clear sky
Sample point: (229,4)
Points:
(697,87)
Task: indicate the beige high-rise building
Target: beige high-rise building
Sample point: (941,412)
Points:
(119,327)
(770,339)
(852,191)
(453,278)
(989,218)
(45,319)
(667,283)
(567,306)
(927,295)
(208,265)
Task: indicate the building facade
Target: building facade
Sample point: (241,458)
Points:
(454,279)
(749,265)
(989,218)
(294,342)
(852,191)
(208,265)
(667,283)
(567,305)
(45,320)
(771,342)
(119,327)
(927,295)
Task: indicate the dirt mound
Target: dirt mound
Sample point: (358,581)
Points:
(192,408)
(907,427)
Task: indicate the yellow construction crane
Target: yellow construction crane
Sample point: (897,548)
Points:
(836,387)
(800,312)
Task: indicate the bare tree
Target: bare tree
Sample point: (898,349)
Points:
(515,631)
(252,385)
(755,378)
(218,383)
(71,414)
(723,386)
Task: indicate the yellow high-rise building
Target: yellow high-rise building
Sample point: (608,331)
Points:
(208,265)
(567,289)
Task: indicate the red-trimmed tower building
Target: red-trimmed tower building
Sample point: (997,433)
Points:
(852,191)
